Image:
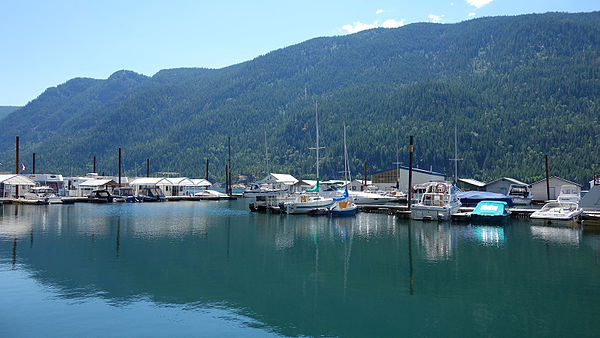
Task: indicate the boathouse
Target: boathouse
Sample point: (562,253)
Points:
(85,188)
(147,182)
(175,186)
(501,185)
(468,184)
(10,182)
(198,184)
(54,181)
(387,179)
(281,181)
(538,189)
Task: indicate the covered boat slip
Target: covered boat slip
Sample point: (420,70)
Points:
(10,184)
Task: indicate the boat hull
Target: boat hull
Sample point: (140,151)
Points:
(433,213)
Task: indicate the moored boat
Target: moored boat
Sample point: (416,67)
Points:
(558,212)
(490,211)
(439,202)
(520,194)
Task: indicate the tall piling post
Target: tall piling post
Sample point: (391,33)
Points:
(119,167)
(94,164)
(226,178)
(410,165)
(17,165)
(229,173)
(547,178)
(207,169)
(147,167)
(365,178)
(33,166)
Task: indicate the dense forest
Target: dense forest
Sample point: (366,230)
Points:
(5,110)
(517,88)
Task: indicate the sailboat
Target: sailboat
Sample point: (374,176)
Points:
(310,200)
(344,206)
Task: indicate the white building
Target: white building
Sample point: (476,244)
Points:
(501,185)
(281,181)
(85,188)
(387,178)
(54,181)
(538,189)
(9,184)
(147,182)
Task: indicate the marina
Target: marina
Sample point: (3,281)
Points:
(216,268)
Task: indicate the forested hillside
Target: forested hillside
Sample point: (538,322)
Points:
(5,110)
(516,87)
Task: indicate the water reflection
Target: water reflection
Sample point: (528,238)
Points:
(488,235)
(371,275)
(558,235)
(436,239)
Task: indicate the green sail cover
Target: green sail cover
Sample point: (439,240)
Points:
(315,189)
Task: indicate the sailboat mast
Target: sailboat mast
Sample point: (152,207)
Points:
(345,158)
(317,126)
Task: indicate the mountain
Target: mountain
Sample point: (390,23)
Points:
(5,110)
(517,88)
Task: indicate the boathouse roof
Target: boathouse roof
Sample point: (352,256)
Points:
(15,179)
(472,182)
(147,181)
(200,182)
(282,178)
(97,183)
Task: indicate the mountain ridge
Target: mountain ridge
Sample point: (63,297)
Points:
(533,78)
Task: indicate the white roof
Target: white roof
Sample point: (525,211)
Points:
(15,179)
(282,178)
(472,182)
(200,182)
(96,183)
(180,181)
(512,180)
(147,181)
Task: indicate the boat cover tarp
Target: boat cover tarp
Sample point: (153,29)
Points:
(591,200)
(471,198)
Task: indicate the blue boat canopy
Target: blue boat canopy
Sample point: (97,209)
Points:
(491,208)
(471,198)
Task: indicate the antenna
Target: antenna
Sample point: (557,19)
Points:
(456,159)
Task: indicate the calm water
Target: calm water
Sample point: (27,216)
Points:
(214,268)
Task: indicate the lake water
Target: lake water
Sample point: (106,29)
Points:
(215,269)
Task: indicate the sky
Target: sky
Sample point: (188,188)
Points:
(47,42)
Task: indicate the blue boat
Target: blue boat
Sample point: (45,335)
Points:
(490,211)
(471,198)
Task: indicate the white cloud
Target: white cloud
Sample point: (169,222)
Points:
(472,14)
(391,23)
(360,26)
(379,11)
(452,4)
(435,18)
(478,3)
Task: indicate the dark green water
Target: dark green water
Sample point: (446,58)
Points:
(215,269)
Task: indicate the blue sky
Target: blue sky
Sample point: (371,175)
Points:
(46,43)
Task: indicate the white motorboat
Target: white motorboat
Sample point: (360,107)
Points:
(304,203)
(569,193)
(42,195)
(520,194)
(438,202)
(211,194)
(558,212)
(365,197)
